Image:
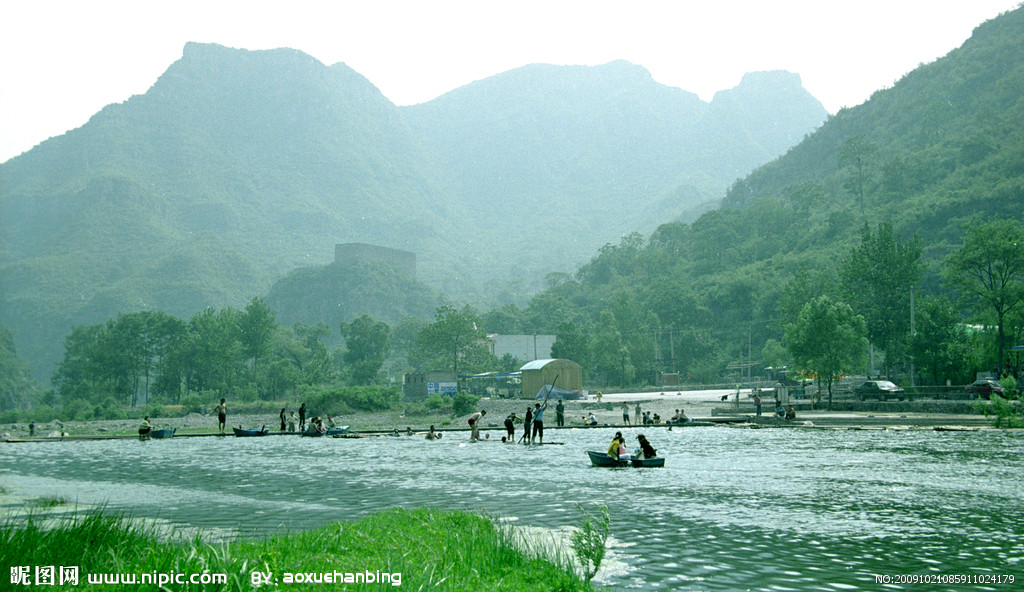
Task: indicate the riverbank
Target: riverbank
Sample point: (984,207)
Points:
(702,406)
(423,549)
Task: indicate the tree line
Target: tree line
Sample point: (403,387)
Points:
(818,322)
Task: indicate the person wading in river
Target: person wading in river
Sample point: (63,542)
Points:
(474,423)
(222,415)
(538,423)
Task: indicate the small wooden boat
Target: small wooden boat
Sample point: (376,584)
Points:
(314,433)
(602,459)
(162,433)
(251,433)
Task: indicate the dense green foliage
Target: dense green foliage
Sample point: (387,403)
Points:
(238,166)
(246,355)
(17,387)
(430,549)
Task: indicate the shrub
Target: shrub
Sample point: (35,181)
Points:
(435,402)
(1009,386)
(464,403)
(359,398)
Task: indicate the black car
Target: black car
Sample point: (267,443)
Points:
(879,389)
(984,388)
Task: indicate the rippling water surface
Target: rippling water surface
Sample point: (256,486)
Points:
(734,509)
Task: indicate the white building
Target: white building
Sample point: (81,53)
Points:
(525,348)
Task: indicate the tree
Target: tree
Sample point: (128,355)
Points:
(989,270)
(366,348)
(828,338)
(878,276)
(452,337)
(256,326)
(572,343)
(940,345)
(857,158)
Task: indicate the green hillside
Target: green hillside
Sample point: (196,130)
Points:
(238,166)
(942,147)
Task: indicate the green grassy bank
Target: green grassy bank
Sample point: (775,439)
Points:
(430,549)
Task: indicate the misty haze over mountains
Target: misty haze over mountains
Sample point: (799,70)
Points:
(239,166)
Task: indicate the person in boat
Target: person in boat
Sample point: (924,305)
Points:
(432,435)
(617,446)
(331,423)
(283,423)
(675,417)
(317,425)
(510,426)
(145,428)
(474,424)
(646,450)
(682,417)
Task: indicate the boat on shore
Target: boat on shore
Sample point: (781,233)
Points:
(162,433)
(251,433)
(314,433)
(603,459)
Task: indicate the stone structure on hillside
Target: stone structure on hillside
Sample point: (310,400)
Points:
(364,253)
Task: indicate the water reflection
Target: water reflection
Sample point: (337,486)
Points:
(733,509)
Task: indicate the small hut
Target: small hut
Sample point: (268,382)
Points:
(538,373)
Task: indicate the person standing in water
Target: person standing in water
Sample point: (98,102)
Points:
(527,424)
(283,422)
(538,422)
(560,414)
(474,424)
(222,415)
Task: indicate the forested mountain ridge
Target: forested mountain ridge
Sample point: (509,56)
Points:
(943,147)
(612,149)
(238,166)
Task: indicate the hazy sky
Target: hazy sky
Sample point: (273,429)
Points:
(62,61)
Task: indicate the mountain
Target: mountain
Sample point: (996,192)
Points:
(238,166)
(942,147)
(588,154)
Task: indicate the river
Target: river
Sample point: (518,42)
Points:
(733,509)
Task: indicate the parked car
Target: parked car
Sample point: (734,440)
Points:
(984,388)
(879,389)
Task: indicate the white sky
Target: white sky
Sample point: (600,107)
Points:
(62,61)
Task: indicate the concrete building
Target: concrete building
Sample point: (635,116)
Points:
(538,373)
(525,348)
(420,385)
(364,253)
